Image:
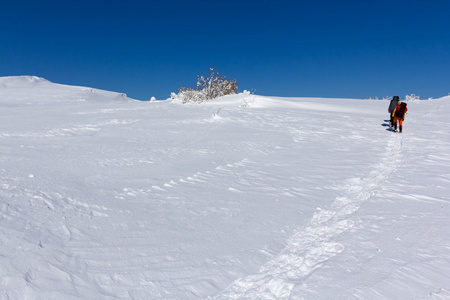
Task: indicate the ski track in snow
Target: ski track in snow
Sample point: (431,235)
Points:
(310,248)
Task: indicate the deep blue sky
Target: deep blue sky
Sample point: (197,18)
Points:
(324,48)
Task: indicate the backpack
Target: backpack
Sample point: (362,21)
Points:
(401,109)
(392,105)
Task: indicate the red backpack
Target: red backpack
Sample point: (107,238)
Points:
(400,110)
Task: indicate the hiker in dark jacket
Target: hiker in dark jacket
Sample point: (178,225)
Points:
(399,115)
(392,106)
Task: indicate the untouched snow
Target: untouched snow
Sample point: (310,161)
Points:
(246,197)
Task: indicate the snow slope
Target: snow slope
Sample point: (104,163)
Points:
(246,197)
(19,90)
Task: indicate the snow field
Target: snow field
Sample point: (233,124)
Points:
(246,197)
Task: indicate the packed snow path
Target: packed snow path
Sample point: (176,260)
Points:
(246,197)
(312,246)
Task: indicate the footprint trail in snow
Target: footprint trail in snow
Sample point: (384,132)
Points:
(310,248)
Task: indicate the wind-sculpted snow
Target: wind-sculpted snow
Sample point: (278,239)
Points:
(22,82)
(32,90)
(244,197)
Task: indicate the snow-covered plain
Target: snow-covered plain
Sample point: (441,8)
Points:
(245,197)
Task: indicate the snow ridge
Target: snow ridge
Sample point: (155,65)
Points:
(21,81)
(19,90)
(310,248)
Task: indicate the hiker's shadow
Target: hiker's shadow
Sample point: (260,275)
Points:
(389,128)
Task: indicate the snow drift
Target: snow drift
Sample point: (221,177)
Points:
(31,88)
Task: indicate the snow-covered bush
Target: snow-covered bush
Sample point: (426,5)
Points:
(248,101)
(412,97)
(152,99)
(186,95)
(208,88)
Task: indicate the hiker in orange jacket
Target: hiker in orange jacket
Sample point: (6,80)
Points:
(399,115)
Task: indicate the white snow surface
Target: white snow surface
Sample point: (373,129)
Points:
(245,197)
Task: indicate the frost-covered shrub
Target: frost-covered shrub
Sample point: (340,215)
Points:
(186,95)
(412,97)
(208,88)
(248,101)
